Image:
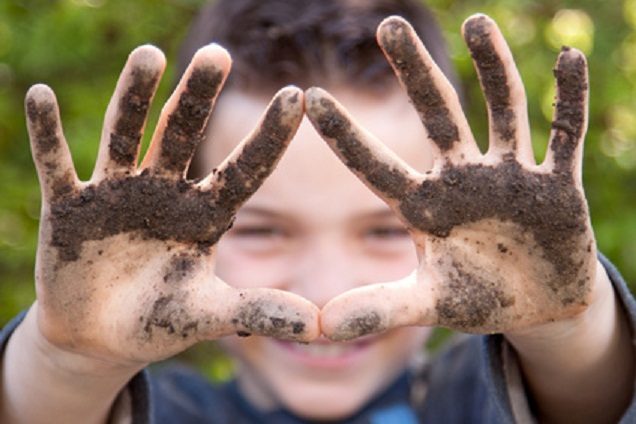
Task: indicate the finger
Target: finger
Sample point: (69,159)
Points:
(502,86)
(245,169)
(565,149)
(266,312)
(376,165)
(48,146)
(432,95)
(183,120)
(377,308)
(275,313)
(127,112)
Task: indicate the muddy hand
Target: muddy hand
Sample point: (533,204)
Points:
(503,243)
(125,265)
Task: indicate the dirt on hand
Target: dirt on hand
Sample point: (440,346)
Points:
(146,206)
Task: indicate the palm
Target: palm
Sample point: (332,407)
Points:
(503,243)
(495,234)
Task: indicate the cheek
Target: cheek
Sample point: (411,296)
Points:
(404,342)
(239,347)
(367,263)
(388,266)
(241,268)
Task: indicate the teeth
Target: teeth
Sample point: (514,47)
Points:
(324,350)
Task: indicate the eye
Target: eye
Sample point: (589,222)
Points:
(258,231)
(387,240)
(386,232)
(263,239)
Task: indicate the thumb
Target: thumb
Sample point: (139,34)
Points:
(260,311)
(377,308)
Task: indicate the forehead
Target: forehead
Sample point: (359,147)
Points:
(390,118)
(310,182)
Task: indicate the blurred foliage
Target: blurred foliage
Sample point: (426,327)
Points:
(79,46)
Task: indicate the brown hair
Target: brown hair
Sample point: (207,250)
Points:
(308,42)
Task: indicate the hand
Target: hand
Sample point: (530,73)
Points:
(125,262)
(503,243)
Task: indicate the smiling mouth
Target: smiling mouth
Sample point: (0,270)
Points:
(326,354)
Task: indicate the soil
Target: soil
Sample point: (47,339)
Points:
(166,209)
(494,80)
(133,109)
(257,317)
(469,302)
(44,122)
(547,206)
(359,157)
(151,207)
(62,185)
(257,160)
(180,266)
(569,119)
(360,325)
(168,314)
(187,122)
(418,79)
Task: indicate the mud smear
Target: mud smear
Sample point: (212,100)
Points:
(257,317)
(150,207)
(180,266)
(360,325)
(294,99)
(133,109)
(570,109)
(401,48)
(61,185)
(171,317)
(186,124)
(44,123)
(163,209)
(494,80)
(546,206)
(469,302)
(358,157)
(502,248)
(242,177)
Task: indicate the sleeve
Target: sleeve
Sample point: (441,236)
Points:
(133,402)
(7,330)
(503,374)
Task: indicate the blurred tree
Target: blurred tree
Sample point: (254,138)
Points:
(79,46)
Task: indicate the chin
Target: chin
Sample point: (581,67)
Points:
(323,380)
(325,403)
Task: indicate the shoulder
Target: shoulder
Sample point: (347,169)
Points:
(459,387)
(179,394)
(458,366)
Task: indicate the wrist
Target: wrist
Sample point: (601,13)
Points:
(593,324)
(67,362)
(66,385)
(578,355)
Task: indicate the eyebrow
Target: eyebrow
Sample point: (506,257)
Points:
(268,213)
(259,211)
(380,214)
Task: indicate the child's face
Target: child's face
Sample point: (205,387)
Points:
(315,230)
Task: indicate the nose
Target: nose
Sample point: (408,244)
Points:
(325,269)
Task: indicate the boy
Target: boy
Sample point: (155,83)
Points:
(132,269)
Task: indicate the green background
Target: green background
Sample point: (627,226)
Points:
(78,47)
